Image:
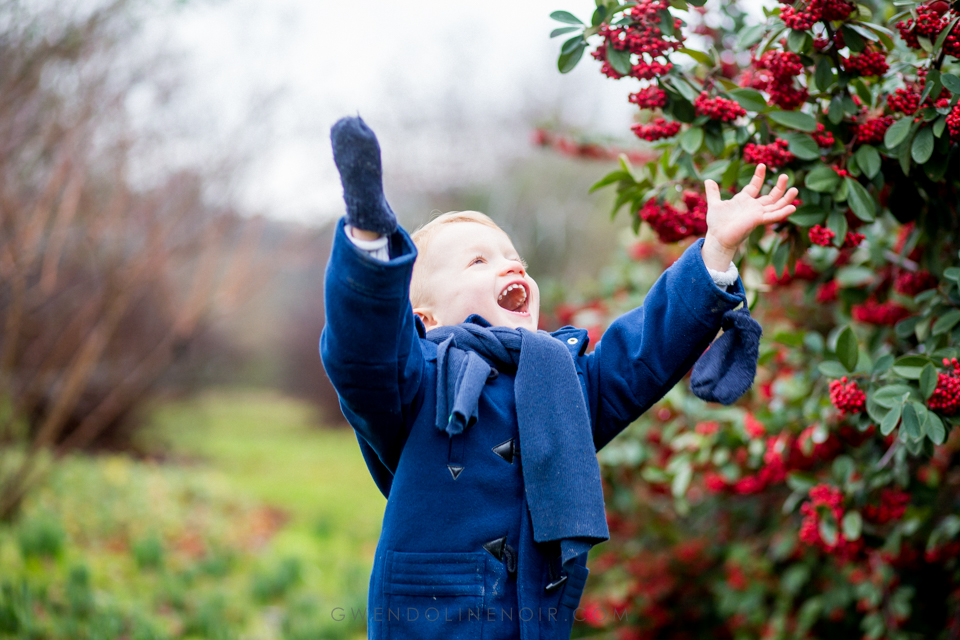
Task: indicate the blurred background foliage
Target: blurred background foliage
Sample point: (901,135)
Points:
(173,462)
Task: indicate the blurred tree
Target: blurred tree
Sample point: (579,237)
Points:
(103,284)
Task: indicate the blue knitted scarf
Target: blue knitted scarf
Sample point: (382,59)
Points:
(560,469)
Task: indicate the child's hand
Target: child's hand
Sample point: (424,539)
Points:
(730,222)
(356,153)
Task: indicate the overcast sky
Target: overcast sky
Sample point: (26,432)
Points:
(451,88)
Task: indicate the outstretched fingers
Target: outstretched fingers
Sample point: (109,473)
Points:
(777,192)
(753,189)
(786,199)
(713,192)
(777,214)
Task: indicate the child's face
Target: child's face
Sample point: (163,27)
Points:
(472,268)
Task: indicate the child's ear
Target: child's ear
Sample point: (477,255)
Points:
(429,322)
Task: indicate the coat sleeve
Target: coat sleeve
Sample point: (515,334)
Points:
(646,351)
(370,344)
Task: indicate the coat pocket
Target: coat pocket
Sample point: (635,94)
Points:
(433,595)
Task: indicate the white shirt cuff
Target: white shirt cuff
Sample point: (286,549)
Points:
(724,278)
(374,248)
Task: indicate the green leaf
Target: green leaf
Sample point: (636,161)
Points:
(861,202)
(890,420)
(691,139)
(911,420)
(835,113)
(928,381)
(922,147)
(799,41)
(828,529)
(751,36)
(946,322)
(794,120)
(566,17)
(832,369)
(897,132)
(951,82)
(666,22)
(749,99)
(619,60)
(869,160)
(610,178)
(562,30)
(852,39)
(947,30)
(936,430)
(570,55)
(823,75)
(939,126)
(883,364)
(852,525)
(822,179)
(802,146)
(847,350)
(699,56)
(808,215)
(853,277)
(681,481)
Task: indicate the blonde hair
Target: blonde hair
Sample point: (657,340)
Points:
(421,239)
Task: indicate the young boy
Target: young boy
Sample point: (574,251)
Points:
(482,431)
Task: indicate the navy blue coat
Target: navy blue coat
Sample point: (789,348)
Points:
(456,557)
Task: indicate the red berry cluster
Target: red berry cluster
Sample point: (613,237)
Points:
(953,123)
(821,235)
(847,397)
(893,504)
(827,292)
(641,37)
(782,68)
(868,63)
(824,500)
(781,64)
(822,137)
(718,108)
(932,19)
(828,10)
(852,239)
(801,271)
(656,129)
(946,396)
(873,312)
(910,283)
(905,101)
(652,97)
(872,131)
(569,146)
(673,225)
(774,155)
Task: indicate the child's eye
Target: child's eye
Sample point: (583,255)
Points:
(477,258)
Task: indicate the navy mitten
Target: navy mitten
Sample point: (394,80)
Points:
(726,369)
(357,156)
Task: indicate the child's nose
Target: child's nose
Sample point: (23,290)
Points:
(514,266)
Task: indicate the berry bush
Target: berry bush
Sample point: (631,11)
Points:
(824,503)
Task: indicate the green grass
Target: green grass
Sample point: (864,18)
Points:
(270,447)
(255,527)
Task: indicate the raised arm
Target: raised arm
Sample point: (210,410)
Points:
(369,345)
(646,351)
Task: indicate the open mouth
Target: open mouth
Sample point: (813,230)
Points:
(514,298)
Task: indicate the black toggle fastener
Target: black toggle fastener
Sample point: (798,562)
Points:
(455,470)
(507,450)
(556,584)
(503,552)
